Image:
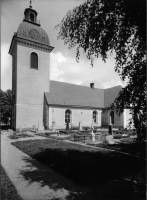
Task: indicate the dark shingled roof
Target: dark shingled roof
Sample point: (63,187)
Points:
(66,94)
(110,95)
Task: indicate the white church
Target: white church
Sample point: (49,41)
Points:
(45,104)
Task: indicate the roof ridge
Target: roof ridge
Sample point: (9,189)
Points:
(85,85)
(75,84)
(113,87)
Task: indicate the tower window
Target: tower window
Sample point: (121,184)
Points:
(32,17)
(34,61)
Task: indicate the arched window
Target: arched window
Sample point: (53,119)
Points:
(34,60)
(32,17)
(112,117)
(68,116)
(95,116)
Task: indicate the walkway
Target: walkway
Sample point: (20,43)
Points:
(39,187)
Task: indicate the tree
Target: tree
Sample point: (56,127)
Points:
(100,27)
(6,106)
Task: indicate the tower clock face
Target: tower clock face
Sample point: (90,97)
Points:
(34,34)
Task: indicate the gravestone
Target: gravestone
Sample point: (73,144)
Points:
(93,135)
(34,127)
(110,131)
(80,126)
(20,130)
(53,125)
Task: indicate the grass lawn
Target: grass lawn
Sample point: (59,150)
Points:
(104,174)
(8,191)
(132,148)
(124,146)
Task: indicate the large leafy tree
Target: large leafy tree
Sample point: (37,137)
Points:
(6,106)
(101,27)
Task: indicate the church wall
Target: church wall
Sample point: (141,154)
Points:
(118,120)
(14,86)
(105,117)
(127,116)
(29,116)
(45,114)
(31,85)
(50,117)
(57,114)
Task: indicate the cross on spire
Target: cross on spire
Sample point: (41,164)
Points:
(30,4)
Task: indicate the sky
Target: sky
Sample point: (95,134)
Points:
(63,64)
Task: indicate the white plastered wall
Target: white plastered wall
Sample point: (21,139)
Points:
(31,85)
(57,114)
(127,116)
(118,119)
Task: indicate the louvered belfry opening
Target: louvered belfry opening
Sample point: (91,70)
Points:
(32,17)
(34,61)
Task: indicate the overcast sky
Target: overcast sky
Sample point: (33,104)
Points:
(62,60)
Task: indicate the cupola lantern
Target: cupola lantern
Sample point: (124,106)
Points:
(30,15)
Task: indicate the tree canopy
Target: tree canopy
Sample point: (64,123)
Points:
(6,106)
(100,27)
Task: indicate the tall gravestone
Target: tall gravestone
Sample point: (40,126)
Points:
(80,126)
(110,127)
(92,133)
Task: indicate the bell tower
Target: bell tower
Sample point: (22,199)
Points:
(30,14)
(30,50)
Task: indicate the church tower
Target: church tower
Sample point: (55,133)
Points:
(30,50)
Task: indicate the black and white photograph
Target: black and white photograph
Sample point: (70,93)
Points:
(73,100)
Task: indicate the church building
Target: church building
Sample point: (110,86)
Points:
(45,104)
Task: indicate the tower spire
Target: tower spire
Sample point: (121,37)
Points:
(30,4)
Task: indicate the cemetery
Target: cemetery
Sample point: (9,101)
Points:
(81,160)
(110,138)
